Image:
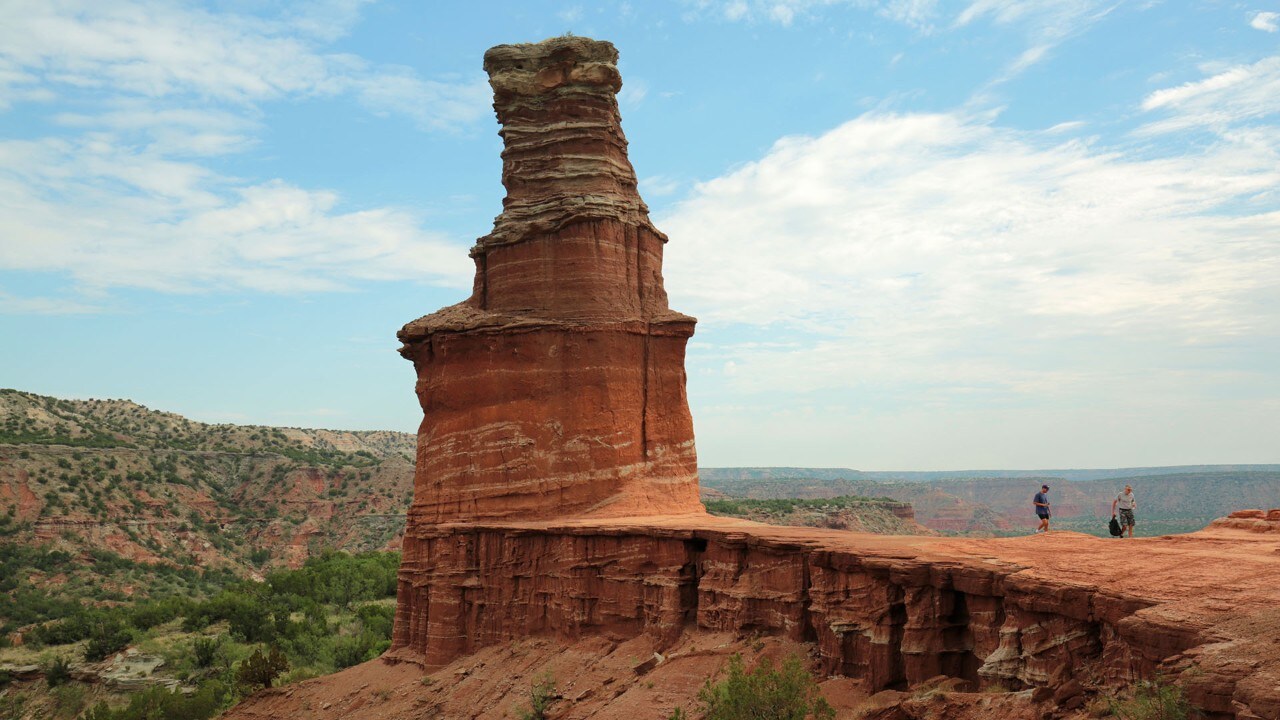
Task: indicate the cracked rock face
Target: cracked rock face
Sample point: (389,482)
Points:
(558,388)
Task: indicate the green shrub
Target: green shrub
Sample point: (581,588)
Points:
(204,650)
(106,638)
(260,669)
(57,672)
(541,694)
(353,650)
(377,619)
(786,693)
(1154,700)
(68,700)
(161,704)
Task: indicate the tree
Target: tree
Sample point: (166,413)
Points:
(261,669)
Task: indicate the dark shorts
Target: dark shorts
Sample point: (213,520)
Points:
(1126,518)
(1042,516)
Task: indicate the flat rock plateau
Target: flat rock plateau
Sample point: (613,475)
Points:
(556,530)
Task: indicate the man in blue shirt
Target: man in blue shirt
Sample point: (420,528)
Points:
(1041,501)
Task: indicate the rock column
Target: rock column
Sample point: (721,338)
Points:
(557,389)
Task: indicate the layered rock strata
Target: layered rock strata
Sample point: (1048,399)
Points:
(891,611)
(557,389)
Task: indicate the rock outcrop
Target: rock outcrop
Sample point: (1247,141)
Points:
(557,389)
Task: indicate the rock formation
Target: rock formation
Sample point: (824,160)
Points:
(557,389)
(556,503)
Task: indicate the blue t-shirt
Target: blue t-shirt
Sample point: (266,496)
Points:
(1041,498)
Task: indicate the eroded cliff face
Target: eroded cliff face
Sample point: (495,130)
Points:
(892,612)
(557,389)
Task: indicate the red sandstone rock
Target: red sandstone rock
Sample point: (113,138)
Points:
(892,611)
(1258,521)
(558,387)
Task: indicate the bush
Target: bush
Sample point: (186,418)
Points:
(161,704)
(1154,700)
(377,619)
(261,669)
(204,650)
(68,700)
(148,615)
(541,695)
(107,637)
(786,693)
(354,650)
(57,672)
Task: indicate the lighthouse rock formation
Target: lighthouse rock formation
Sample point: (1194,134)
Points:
(558,388)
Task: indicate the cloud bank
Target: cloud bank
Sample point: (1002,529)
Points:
(127,190)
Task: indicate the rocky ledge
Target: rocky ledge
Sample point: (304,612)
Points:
(891,611)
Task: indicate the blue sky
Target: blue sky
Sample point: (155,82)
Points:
(918,235)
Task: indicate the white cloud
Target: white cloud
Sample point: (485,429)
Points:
(1266,22)
(1064,127)
(169,50)
(633,92)
(944,256)
(124,192)
(111,216)
(1235,95)
(12,305)
(1044,23)
(658,185)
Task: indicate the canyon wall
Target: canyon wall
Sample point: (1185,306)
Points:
(891,611)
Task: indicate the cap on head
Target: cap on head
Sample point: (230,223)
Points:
(1044,487)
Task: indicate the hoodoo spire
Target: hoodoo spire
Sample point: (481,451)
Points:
(558,388)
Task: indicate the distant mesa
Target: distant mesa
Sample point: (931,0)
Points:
(558,388)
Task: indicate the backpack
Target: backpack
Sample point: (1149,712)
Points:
(1115,528)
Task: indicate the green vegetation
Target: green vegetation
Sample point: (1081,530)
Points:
(785,693)
(1154,700)
(541,694)
(57,672)
(160,704)
(261,669)
(224,637)
(782,506)
(74,601)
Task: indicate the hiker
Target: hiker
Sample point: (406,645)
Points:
(1126,503)
(1041,501)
